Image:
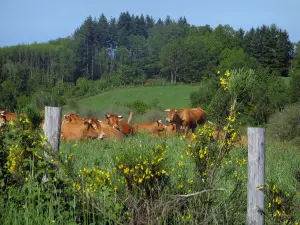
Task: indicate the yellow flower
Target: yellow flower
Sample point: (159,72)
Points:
(277,213)
(180,163)
(180,186)
(126,170)
(218,72)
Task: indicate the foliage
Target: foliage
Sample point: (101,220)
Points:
(204,95)
(285,125)
(294,91)
(145,175)
(139,106)
(132,49)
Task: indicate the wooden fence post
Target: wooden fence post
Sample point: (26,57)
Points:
(52,126)
(256,175)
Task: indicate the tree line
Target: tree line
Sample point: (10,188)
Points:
(131,50)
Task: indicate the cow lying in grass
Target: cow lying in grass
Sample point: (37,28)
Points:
(89,129)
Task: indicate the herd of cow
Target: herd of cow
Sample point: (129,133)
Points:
(112,127)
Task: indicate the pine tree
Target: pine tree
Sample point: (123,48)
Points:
(149,25)
(125,29)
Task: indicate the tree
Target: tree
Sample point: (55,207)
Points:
(235,59)
(171,57)
(102,32)
(64,64)
(124,28)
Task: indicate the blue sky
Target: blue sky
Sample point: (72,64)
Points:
(26,21)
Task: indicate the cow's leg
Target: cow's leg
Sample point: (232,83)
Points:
(193,126)
(186,127)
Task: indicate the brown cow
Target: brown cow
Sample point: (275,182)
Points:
(150,127)
(110,133)
(115,121)
(186,118)
(72,118)
(2,120)
(90,128)
(168,130)
(171,129)
(8,115)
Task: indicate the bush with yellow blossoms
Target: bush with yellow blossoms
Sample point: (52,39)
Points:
(22,145)
(144,174)
(280,204)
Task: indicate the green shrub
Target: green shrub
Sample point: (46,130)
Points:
(285,125)
(204,95)
(139,106)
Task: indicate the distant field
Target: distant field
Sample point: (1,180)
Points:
(168,96)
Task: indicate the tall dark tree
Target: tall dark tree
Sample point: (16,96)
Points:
(124,28)
(141,26)
(149,24)
(102,32)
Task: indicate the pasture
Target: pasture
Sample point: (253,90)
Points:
(92,186)
(175,96)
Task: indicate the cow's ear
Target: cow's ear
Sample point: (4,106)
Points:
(87,121)
(107,116)
(100,121)
(173,126)
(2,113)
(120,117)
(159,122)
(167,110)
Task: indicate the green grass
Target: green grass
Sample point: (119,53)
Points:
(168,96)
(281,165)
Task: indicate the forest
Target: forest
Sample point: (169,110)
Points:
(133,50)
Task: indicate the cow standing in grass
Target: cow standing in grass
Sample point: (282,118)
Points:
(186,119)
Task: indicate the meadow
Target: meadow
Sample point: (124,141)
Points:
(143,180)
(171,96)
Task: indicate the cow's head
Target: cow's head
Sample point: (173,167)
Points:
(172,113)
(2,118)
(160,126)
(71,117)
(113,120)
(94,129)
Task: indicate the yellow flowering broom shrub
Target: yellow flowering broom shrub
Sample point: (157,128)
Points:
(21,143)
(144,174)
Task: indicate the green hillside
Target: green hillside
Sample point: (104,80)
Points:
(168,97)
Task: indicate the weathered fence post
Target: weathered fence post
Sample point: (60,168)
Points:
(256,175)
(52,126)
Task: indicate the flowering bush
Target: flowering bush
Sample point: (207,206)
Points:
(145,173)
(22,144)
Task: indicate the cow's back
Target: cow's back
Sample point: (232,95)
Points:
(110,132)
(195,115)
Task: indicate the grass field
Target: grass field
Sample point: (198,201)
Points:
(179,201)
(168,97)
(281,165)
